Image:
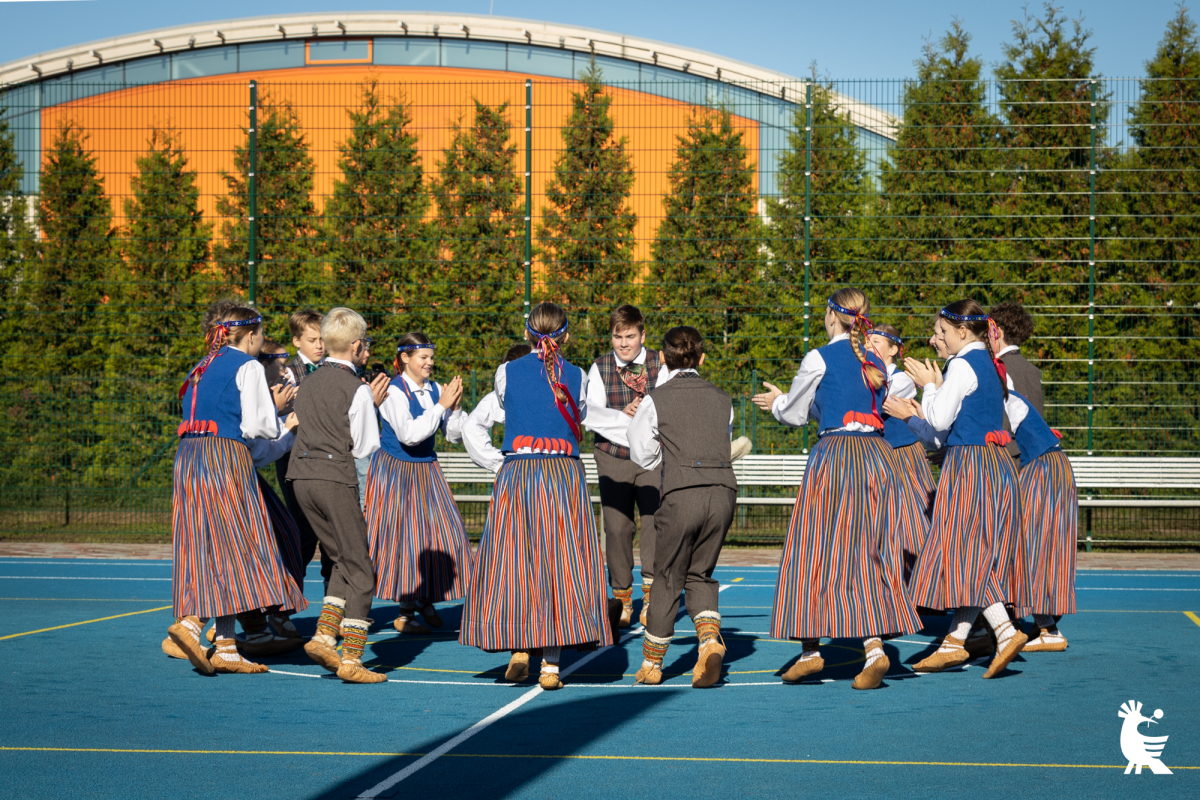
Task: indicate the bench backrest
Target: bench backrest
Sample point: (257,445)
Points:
(1097,472)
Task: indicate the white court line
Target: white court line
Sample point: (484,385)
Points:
(71,578)
(1123,589)
(429,758)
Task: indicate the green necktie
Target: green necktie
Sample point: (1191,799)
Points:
(310,368)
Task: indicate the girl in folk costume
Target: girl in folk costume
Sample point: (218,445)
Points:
(842,574)
(1049,524)
(967,562)
(885,341)
(539,576)
(226,560)
(418,547)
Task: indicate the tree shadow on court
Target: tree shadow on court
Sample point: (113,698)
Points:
(517,750)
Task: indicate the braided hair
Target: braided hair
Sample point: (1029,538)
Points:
(850,307)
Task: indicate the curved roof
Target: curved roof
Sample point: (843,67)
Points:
(446,26)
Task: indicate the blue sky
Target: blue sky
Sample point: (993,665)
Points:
(864,39)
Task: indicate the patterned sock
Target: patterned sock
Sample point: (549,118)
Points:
(550,657)
(964,618)
(873,648)
(625,596)
(226,649)
(329,625)
(654,649)
(646,586)
(354,639)
(997,615)
(708,626)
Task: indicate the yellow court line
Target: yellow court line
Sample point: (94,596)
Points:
(1192,616)
(85,622)
(735,580)
(573,757)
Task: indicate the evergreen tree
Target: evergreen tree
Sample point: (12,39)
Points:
(379,242)
(586,234)
(938,183)
(706,249)
(287,222)
(479,225)
(15,235)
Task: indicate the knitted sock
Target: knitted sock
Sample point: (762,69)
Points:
(354,639)
(646,586)
(329,625)
(226,649)
(550,657)
(873,648)
(654,649)
(997,617)
(964,618)
(708,626)
(625,596)
(809,648)
(1045,621)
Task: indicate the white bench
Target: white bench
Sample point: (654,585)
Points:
(1091,472)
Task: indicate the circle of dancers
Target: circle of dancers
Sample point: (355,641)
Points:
(873,543)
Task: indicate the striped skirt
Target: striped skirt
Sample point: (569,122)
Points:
(539,576)
(418,547)
(920,476)
(967,560)
(842,572)
(226,560)
(287,535)
(1049,528)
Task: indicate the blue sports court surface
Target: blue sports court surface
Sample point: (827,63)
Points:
(92,708)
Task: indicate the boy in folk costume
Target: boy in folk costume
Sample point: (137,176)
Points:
(681,432)
(338,425)
(617,382)
(1012,327)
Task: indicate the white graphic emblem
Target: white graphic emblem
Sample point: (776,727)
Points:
(1141,751)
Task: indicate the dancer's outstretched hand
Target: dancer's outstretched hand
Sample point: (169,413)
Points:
(766,400)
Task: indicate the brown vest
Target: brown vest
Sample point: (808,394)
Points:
(693,427)
(619,394)
(322,450)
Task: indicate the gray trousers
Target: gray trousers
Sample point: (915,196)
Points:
(624,485)
(690,529)
(332,510)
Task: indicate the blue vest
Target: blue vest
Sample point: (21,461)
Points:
(1034,436)
(532,422)
(982,411)
(842,392)
(218,401)
(896,431)
(422,451)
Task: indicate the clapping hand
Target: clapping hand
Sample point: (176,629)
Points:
(379,388)
(924,372)
(902,408)
(283,394)
(766,400)
(452,394)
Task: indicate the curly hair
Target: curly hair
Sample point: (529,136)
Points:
(1014,321)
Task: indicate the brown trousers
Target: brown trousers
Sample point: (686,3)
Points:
(623,486)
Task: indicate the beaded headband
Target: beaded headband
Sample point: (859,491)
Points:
(849,312)
(273,355)
(962,317)
(404,347)
(887,336)
(550,335)
(238,323)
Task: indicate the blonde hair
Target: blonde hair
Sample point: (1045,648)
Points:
(341,328)
(857,326)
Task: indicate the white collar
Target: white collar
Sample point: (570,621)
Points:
(333,360)
(640,358)
(671,373)
(304,359)
(971,347)
(1012,348)
(891,369)
(839,337)
(413,384)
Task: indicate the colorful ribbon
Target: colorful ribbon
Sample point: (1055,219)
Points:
(547,350)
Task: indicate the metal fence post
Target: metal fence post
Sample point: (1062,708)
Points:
(1091,401)
(252,191)
(528,194)
(808,126)
(474,388)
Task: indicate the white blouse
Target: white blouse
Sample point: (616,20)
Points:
(793,408)
(260,419)
(612,423)
(942,404)
(396,410)
(477,433)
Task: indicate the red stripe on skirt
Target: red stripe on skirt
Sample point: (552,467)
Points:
(1049,530)
(226,560)
(920,478)
(418,546)
(539,577)
(967,559)
(841,574)
(286,533)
